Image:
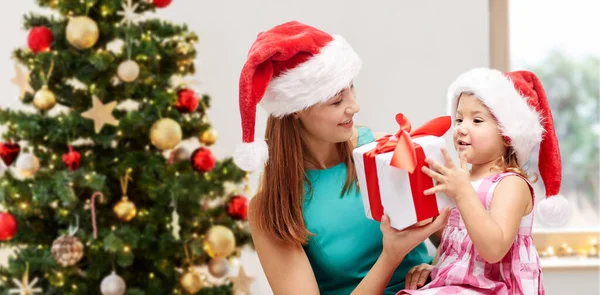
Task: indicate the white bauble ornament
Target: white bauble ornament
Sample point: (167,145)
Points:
(218,268)
(28,165)
(128,71)
(113,285)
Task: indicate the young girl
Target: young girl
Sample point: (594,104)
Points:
(487,247)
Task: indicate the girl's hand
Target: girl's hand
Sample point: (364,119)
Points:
(417,276)
(451,180)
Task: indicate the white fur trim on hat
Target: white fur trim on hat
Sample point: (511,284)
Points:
(554,211)
(251,156)
(516,119)
(313,81)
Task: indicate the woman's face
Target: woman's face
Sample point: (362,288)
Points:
(331,121)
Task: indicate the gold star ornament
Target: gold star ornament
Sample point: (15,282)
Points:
(242,282)
(101,114)
(24,287)
(21,79)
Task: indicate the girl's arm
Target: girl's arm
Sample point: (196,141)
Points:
(494,232)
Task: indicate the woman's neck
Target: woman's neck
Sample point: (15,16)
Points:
(321,155)
(324,154)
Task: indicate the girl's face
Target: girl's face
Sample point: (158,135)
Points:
(476,132)
(331,121)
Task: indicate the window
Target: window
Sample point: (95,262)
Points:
(558,41)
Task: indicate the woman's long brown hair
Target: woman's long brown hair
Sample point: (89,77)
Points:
(278,204)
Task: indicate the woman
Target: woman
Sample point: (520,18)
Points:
(307,220)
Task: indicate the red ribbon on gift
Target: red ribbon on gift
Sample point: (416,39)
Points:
(408,156)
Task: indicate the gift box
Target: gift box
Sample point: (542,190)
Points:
(389,173)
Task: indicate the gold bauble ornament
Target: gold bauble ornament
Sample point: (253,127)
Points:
(44,99)
(191,281)
(208,137)
(56,279)
(141,57)
(165,134)
(125,209)
(82,32)
(219,242)
(128,71)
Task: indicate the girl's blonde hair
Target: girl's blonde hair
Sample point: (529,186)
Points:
(509,163)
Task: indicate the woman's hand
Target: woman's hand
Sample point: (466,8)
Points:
(398,243)
(417,276)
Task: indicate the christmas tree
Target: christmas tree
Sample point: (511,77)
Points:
(98,193)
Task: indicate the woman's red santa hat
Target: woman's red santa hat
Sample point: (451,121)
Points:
(289,68)
(519,103)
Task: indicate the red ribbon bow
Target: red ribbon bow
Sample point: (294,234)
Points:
(407,156)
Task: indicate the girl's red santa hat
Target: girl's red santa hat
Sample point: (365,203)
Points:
(518,101)
(289,68)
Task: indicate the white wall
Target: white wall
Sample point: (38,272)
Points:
(412,50)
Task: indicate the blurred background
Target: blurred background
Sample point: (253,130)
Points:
(412,50)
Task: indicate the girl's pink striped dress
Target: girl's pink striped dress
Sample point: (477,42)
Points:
(460,269)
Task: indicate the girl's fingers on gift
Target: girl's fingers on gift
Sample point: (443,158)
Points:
(435,166)
(436,176)
(447,159)
(434,190)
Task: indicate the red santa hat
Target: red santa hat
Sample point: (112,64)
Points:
(289,68)
(518,101)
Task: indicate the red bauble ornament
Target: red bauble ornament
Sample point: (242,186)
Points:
(40,39)
(237,207)
(203,160)
(161,3)
(8,226)
(187,101)
(9,152)
(71,159)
